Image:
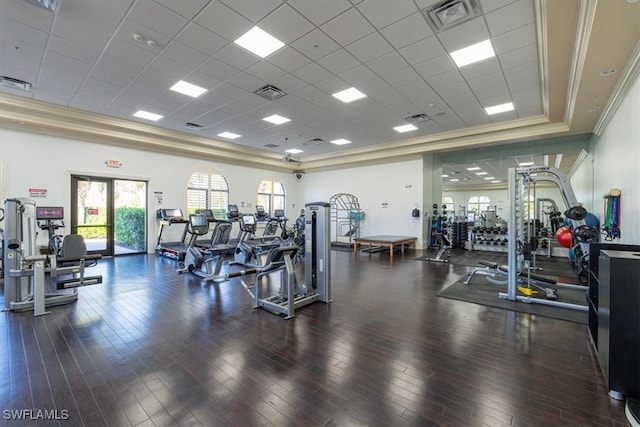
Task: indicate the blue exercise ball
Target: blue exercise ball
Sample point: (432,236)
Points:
(567,222)
(592,220)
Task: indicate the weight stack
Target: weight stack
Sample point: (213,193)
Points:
(460,230)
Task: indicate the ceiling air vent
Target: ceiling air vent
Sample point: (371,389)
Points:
(270,92)
(417,118)
(271,145)
(193,126)
(315,141)
(14,83)
(50,5)
(449,13)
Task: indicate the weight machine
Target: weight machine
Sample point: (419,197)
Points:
(520,243)
(51,219)
(24,270)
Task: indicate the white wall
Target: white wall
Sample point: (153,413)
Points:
(399,185)
(40,161)
(582,184)
(617,164)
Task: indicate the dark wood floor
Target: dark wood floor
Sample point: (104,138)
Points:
(150,347)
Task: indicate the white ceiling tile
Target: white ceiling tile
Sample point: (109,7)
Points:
(402,77)
(254,11)
(183,54)
(491,5)
(473,117)
(200,38)
(407,31)
(237,57)
(11,48)
(445,79)
(462,99)
(315,45)
(338,61)
(22,33)
(80,33)
(218,69)
(518,57)
(311,73)
(286,24)
(119,7)
(531,82)
(487,81)
(99,87)
(435,66)
(387,64)
(157,17)
(369,47)
(73,50)
(55,61)
(422,50)
(223,21)
(188,9)
(125,57)
(521,71)
(92,103)
(26,13)
(290,83)
(463,35)
(91,14)
(168,67)
(452,90)
(110,76)
(510,17)
(488,66)
(515,39)
(288,59)
(320,12)
(309,93)
(357,75)
(383,12)
(247,82)
(265,71)
(331,85)
(347,27)
(251,100)
(129,28)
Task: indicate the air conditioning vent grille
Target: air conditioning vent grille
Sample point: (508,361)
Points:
(14,83)
(417,118)
(193,126)
(315,141)
(449,13)
(270,92)
(271,145)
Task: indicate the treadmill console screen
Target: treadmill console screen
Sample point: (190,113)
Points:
(248,219)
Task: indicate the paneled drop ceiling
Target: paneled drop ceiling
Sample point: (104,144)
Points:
(92,64)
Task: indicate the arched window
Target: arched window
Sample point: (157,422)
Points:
(208,191)
(448,202)
(271,196)
(478,204)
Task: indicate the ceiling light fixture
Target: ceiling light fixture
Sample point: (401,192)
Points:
(474,168)
(445,176)
(349,95)
(276,119)
(489,178)
(472,54)
(481,173)
(229,135)
(259,42)
(558,160)
(147,115)
(501,108)
(340,141)
(608,72)
(523,164)
(495,182)
(404,128)
(187,88)
(454,180)
(294,151)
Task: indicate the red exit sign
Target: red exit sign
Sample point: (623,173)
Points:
(93,211)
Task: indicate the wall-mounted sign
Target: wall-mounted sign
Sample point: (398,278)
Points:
(113,163)
(92,211)
(38,192)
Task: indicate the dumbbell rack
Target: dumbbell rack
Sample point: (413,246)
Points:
(494,239)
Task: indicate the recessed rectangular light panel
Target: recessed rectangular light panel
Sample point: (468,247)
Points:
(229,135)
(259,42)
(404,128)
(502,108)
(349,95)
(294,151)
(276,119)
(340,141)
(187,88)
(147,115)
(472,54)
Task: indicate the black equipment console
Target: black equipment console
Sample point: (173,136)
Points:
(233,214)
(198,224)
(51,218)
(207,213)
(52,213)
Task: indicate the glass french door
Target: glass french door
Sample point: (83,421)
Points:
(110,214)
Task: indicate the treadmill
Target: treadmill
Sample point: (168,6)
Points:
(171,218)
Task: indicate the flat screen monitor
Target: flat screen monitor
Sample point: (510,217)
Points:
(49,212)
(206,212)
(248,219)
(278,213)
(198,220)
(171,213)
(232,211)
